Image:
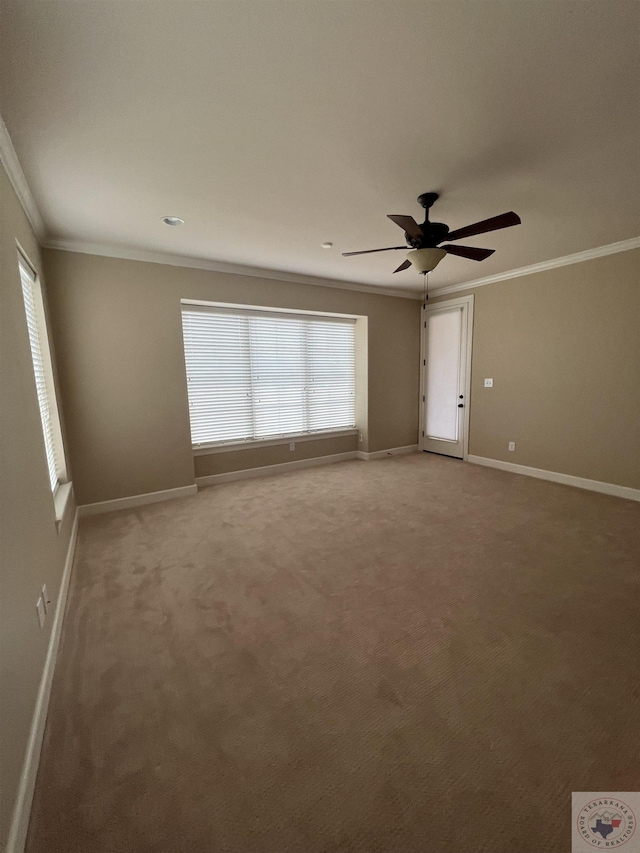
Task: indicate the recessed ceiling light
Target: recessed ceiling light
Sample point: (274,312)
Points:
(172,220)
(327,245)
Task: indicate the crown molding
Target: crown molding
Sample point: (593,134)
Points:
(151,257)
(10,161)
(578,257)
(114,251)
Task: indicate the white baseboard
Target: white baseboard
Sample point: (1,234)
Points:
(391,451)
(555,477)
(281,468)
(24,798)
(136,500)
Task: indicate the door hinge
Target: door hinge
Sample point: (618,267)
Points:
(423,433)
(425,325)
(424,361)
(423,398)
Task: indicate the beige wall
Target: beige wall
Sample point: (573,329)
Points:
(119,342)
(32,551)
(222,463)
(563,348)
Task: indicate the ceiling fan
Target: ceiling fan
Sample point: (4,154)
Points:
(425,239)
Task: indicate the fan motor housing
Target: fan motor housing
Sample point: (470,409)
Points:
(434,233)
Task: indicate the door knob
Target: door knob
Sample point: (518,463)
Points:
(461,405)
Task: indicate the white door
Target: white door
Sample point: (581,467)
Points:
(446,374)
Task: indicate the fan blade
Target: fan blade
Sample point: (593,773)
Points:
(468,252)
(505,220)
(403,266)
(407,223)
(369,251)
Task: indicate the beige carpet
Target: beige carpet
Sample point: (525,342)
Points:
(414,654)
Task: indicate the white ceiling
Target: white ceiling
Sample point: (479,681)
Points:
(273,125)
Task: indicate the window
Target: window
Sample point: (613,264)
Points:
(38,338)
(255,374)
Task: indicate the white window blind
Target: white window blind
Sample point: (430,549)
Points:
(253,375)
(40,366)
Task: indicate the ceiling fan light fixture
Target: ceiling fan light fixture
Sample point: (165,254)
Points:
(426,260)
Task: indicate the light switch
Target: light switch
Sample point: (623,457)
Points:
(488,383)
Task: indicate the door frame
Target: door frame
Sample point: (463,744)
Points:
(447,303)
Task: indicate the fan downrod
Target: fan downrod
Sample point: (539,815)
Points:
(432,232)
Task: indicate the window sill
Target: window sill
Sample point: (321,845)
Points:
(229,447)
(61,501)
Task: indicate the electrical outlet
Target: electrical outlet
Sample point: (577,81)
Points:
(360,437)
(512,445)
(45,598)
(40,611)
(488,383)
(292,446)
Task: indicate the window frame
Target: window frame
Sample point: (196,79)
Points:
(235,444)
(61,491)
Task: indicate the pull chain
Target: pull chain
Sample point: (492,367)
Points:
(426,288)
